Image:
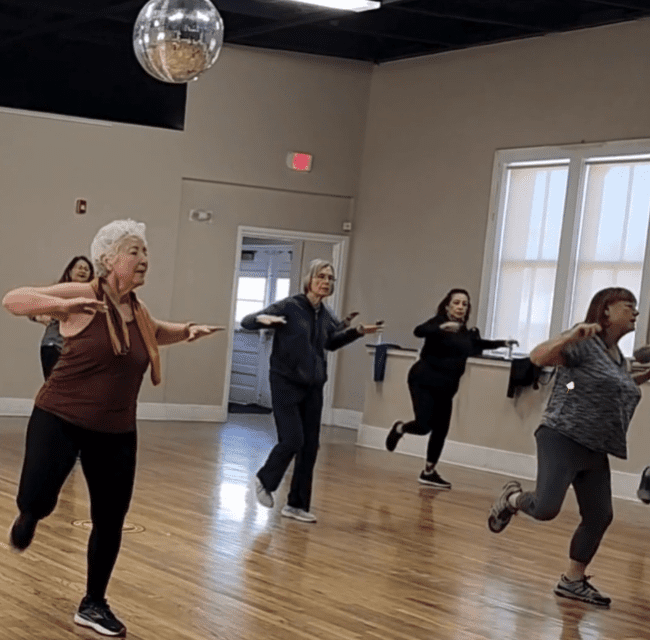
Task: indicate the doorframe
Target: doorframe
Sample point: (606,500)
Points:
(340,245)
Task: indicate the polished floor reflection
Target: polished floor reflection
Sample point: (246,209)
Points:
(388,559)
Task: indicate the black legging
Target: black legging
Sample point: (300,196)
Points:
(108,464)
(297,411)
(432,408)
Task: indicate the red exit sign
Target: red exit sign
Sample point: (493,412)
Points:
(299,161)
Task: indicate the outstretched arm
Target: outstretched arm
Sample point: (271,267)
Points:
(59,301)
(174,332)
(271,316)
(339,338)
(549,353)
(641,376)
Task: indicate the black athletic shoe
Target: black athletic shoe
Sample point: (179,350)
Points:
(581,590)
(394,436)
(22,531)
(643,491)
(98,616)
(433,479)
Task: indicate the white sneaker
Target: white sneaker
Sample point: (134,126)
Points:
(264,497)
(297,514)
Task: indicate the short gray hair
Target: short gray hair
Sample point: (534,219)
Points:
(108,239)
(315,267)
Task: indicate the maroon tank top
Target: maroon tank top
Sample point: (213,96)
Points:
(92,387)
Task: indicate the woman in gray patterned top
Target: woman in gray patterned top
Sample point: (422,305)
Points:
(586,420)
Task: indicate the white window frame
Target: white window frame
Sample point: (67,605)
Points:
(577,157)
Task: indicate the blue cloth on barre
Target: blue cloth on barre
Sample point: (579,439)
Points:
(380,359)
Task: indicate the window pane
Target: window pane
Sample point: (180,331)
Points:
(250,288)
(527,260)
(244,307)
(613,234)
(281,288)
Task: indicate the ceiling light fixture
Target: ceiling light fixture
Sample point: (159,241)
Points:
(344,5)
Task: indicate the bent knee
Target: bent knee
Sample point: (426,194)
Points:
(546,514)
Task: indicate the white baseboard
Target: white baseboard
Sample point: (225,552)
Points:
(16,406)
(181,412)
(146,410)
(346,418)
(507,463)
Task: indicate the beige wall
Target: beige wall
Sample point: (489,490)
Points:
(433,128)
(205,269)
(423,132)
(243,116)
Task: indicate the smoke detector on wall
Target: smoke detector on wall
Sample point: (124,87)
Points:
(200,215)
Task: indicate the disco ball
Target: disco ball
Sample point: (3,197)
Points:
(177,40)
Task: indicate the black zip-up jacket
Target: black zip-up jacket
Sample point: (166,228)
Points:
(445,353)
(298,352)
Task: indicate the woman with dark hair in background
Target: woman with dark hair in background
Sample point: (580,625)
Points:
(586,419)
(304,329)
(79,269)
(433,380)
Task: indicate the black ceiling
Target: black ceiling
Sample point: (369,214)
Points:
(56,29)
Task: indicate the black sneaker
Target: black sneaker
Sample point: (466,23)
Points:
(433,479)
(98,616)
(501,511)
(643,492)
(394,436)
(22,531)
(581,590)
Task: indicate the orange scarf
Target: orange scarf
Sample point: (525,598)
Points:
(118,331)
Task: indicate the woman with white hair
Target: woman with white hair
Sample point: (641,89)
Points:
(304,329)
(87,407)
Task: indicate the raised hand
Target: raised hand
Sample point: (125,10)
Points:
(347,321)
(70,306)
(583,331)
(271,321)
(197,331)
(642,354)
(364,329)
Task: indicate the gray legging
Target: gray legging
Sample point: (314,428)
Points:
(562,462)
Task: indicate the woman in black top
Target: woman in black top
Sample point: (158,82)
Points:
(433,380)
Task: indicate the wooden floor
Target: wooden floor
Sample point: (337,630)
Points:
(388,559)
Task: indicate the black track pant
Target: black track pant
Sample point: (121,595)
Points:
(432,408)
(108,463)
(562,462)
(297,411)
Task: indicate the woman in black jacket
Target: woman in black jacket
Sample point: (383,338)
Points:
(433,380)
(304,329)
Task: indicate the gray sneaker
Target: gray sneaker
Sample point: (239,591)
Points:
(581,590)
(501,511)
(264,497)
(297,514)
